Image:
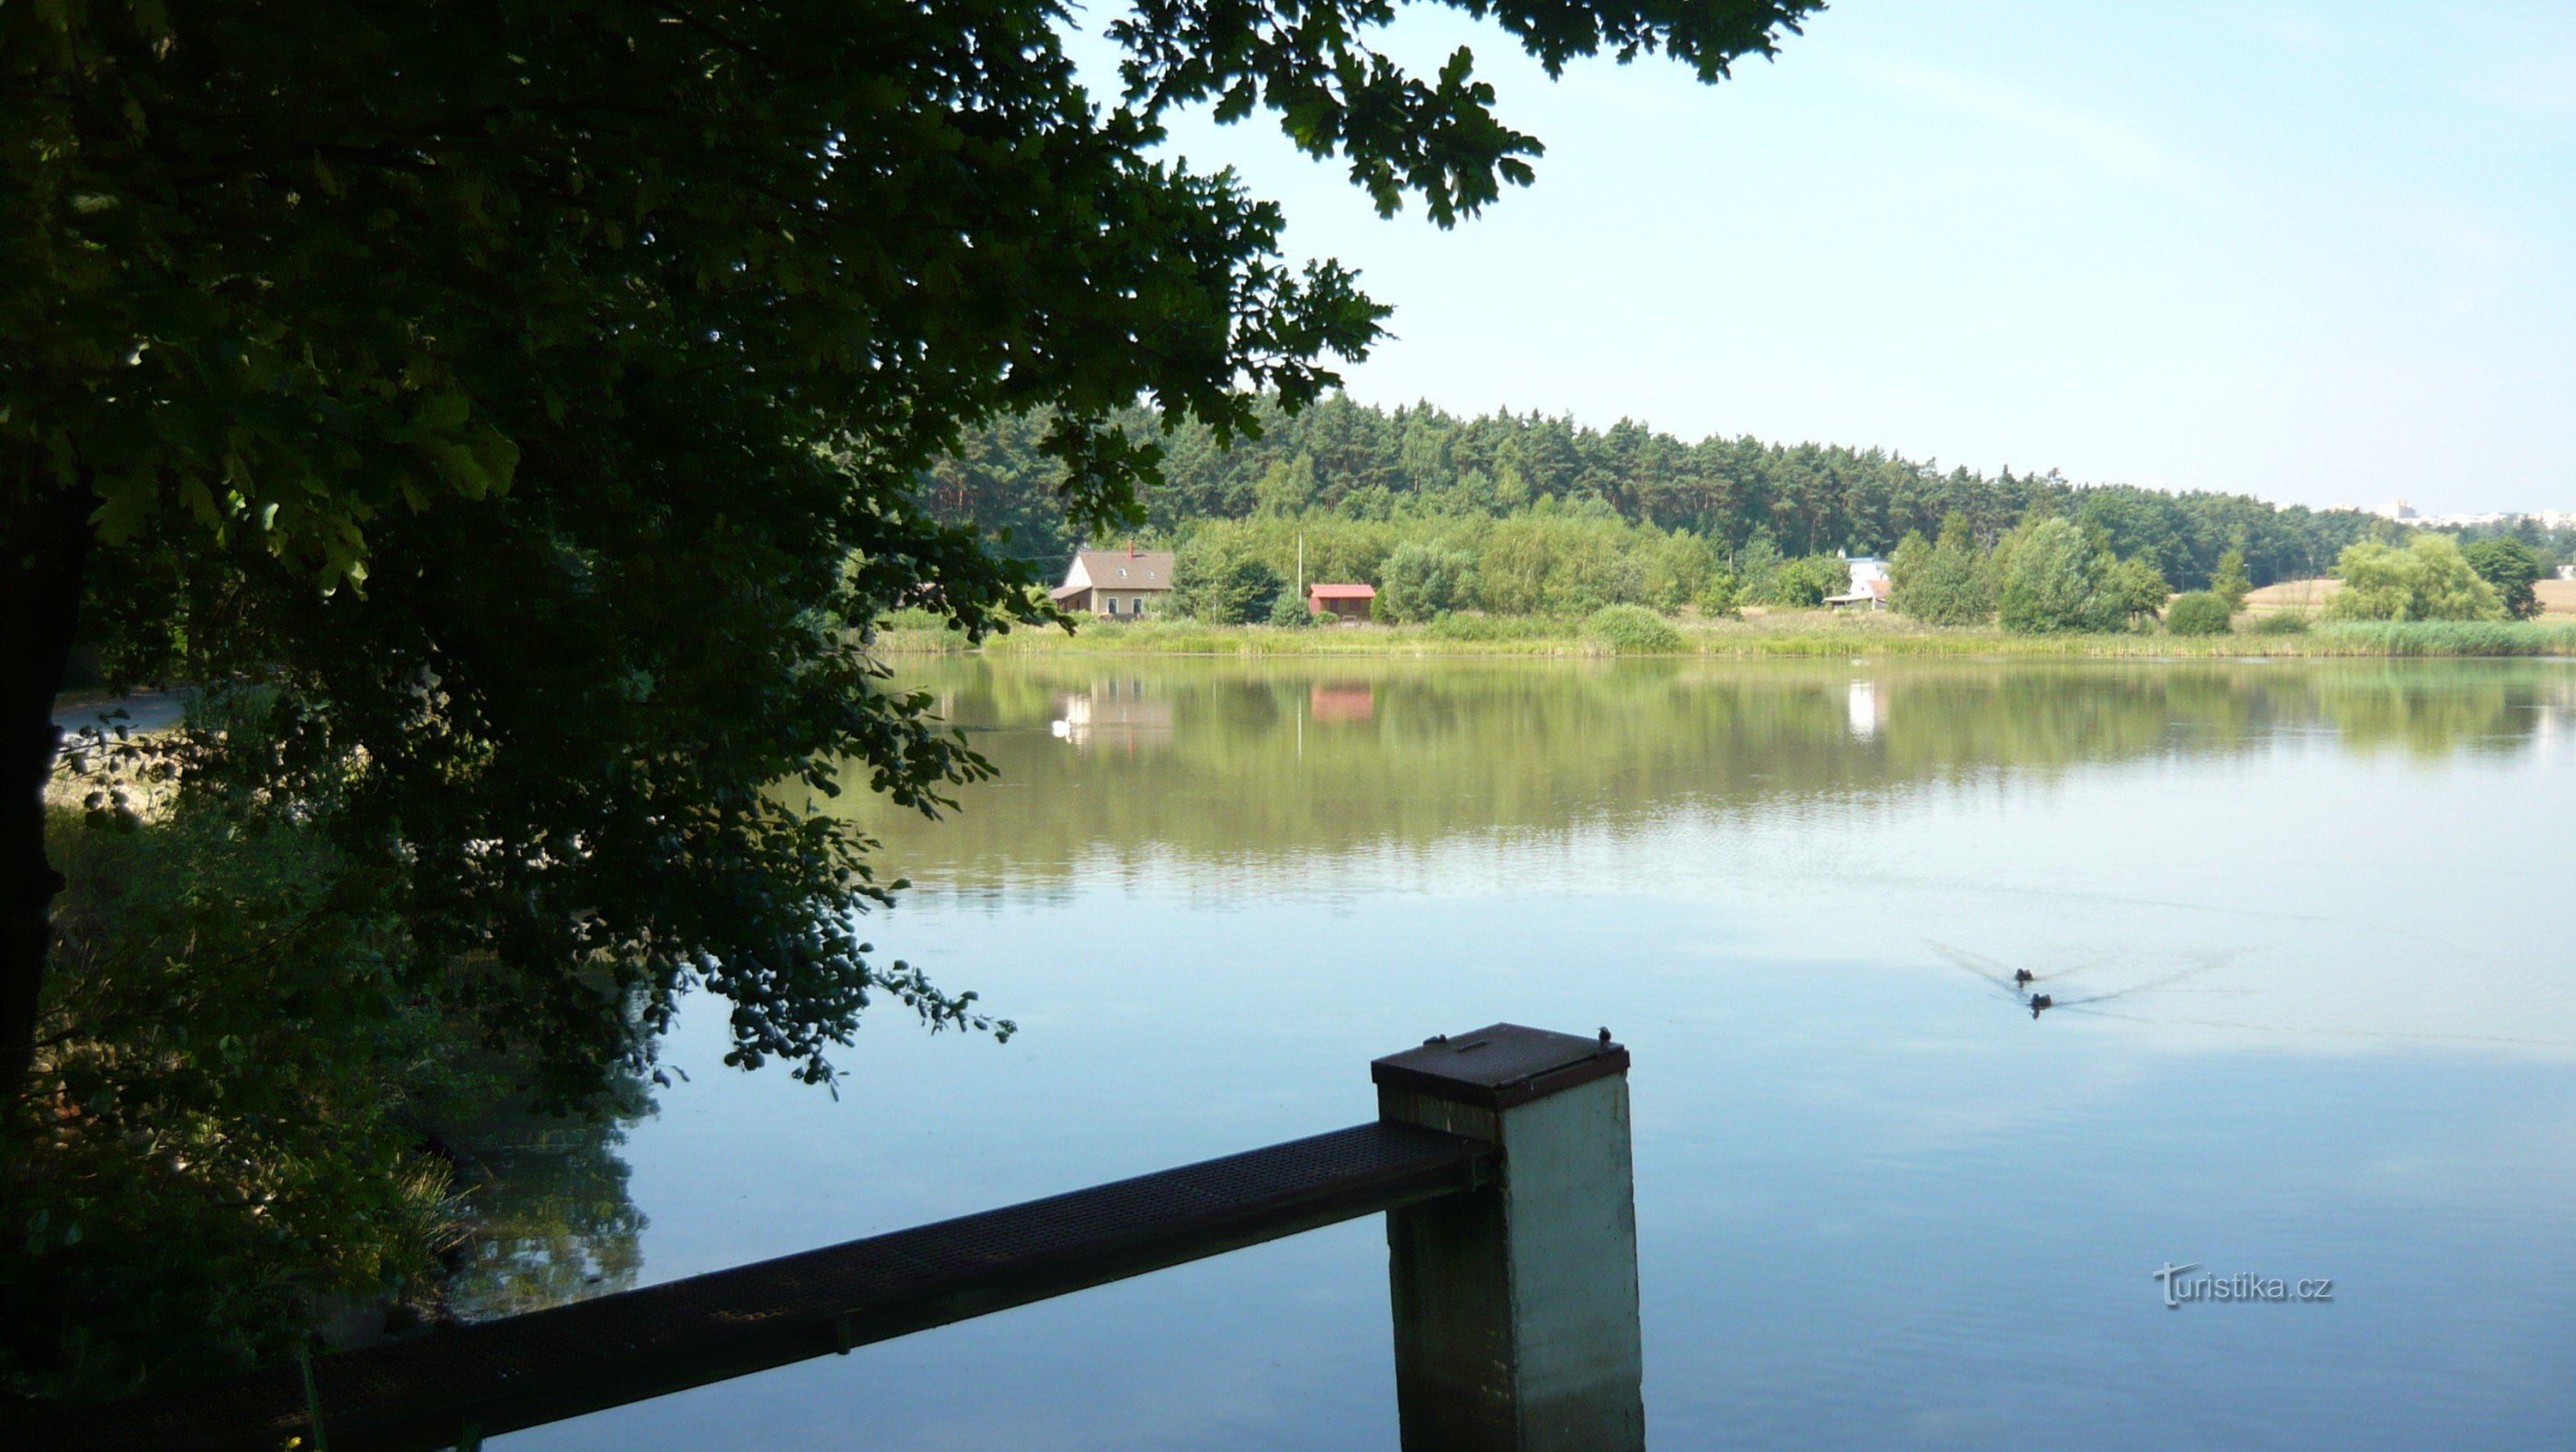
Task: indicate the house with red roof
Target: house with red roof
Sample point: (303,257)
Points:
(1350,604)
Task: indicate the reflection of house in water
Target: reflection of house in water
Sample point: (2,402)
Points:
(1868,709)
(1342,702)
(1115,712)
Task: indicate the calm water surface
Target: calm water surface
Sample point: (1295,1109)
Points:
(2325,910)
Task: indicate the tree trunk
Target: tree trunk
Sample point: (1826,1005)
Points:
(48,547)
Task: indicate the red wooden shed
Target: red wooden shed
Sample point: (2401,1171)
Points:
(1349,602)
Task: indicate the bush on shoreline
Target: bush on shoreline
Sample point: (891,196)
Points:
(2197,612)
(1634,630)
(2428,580)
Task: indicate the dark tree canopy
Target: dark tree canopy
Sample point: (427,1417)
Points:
(2515,568)
(1424,464)
(522,406)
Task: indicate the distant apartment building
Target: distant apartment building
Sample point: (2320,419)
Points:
(2404,513)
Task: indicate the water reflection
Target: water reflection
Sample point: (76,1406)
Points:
(2318,910)
(1118,711)
(546,1217)
(1297,758)
(1338,701)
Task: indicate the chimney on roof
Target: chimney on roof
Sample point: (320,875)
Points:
(1131,547)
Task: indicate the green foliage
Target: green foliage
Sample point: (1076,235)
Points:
(576,373)
(1289,612)
(217,1149)
(587,351)
(1553,560)
(1633,630)
(2140,590)
(1431,470)
(2513,567)
(1215,582)
(1287,486)
(239,1072)
(1721,598)
(1423,579)
(546,407)
(2056,580)
(1941,583)
(2280,622)
(1757,566)
(2555,544)
(2229,582)
(999,478)
(2198,612)
(1487,628)
(2491,636)
(1336,96)
(2429,579)
(1806,582)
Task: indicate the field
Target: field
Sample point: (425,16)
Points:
(2557,597)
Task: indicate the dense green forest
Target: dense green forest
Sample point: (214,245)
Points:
(1420,474)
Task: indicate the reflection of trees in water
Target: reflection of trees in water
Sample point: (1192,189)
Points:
(545,1217)
(1251,769)
(2394,706)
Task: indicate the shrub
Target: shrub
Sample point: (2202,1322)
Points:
(1942,582)
(1487,627)
(1419,581)
(2140,589)
(2229,582)
(1565,561)
(1290,612)
(1756,565)
(1721,598)
(2198,613)
(2285,622)
(1805,582)
(1215,584)
(2427,580)
(2054,580)
(1633,630)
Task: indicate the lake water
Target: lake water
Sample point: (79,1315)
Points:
(2325,908)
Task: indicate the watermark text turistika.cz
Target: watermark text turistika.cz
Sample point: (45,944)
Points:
(2183,1288)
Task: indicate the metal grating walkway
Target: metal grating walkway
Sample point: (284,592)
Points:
(503,1375)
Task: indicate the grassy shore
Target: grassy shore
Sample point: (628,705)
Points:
(1787,633)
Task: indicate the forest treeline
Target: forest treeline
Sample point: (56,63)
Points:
(1420,473)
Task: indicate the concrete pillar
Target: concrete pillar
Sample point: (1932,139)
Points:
(1516,1304)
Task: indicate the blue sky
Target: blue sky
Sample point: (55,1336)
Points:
(2322,253)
